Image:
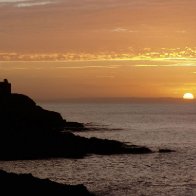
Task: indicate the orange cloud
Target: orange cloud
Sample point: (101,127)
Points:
(145,54)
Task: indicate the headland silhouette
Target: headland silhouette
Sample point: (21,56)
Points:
(30,132)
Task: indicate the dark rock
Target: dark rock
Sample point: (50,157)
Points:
(19,113)
(26,184)
(74,126)
(65,145)
(105,146)
(28,131)
(165,150)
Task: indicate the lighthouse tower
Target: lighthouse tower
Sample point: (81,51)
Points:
(5,88)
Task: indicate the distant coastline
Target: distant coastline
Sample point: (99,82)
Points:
(118,100)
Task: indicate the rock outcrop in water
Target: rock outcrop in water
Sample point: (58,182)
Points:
(75,126)
(26,184)
(28,131)
(165,150)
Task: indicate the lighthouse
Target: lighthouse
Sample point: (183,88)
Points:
(5,88)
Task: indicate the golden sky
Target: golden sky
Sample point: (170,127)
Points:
(98,48)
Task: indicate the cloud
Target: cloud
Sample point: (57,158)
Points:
(146,54)
(103,4)
(30,4)
(124,30)
(147,65)
(25,3)
(119,29)
(95,4)
(12,1)
(100,4)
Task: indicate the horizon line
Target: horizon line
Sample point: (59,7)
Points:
(117,99)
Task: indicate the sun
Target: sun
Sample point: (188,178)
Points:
(188,96)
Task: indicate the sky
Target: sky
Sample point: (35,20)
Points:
(63,49)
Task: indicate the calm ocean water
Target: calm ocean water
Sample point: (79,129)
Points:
(160,125)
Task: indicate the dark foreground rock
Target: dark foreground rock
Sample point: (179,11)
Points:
(75,126)
(26,184)
(28,131)
(165,150)
(62,145)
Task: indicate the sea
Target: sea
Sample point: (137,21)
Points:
(155,125)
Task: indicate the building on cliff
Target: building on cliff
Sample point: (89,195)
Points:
(5,88)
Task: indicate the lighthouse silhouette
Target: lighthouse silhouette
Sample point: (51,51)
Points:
(5,88)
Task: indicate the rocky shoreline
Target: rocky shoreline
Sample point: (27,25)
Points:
(31,132)
(27,131)
(26,184)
